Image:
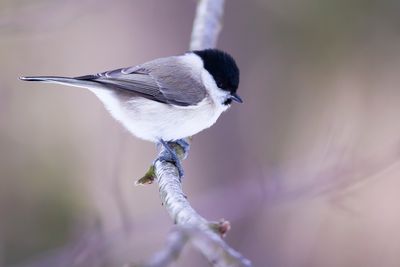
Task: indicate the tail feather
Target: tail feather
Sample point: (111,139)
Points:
(62,80)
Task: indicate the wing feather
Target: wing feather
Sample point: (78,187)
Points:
(166,80)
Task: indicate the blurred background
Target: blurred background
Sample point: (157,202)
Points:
(306,170)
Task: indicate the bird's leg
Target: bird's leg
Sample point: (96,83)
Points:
(171,156)
(184,145)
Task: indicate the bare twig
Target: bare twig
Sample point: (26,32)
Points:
(207,24)
(175,243)
(207,242)
(203,235)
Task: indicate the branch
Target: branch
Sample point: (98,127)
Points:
(207,24)
(205,236)
(175,243)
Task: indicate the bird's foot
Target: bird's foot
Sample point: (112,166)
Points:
(172,157)
(184,145)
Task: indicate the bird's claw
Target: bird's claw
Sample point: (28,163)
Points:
(173,160)
(170,155)
(184,145)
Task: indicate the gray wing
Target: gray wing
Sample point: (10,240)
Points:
(166,80)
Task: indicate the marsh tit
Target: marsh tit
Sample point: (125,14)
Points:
(166,99)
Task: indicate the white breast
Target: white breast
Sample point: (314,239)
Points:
(153,121)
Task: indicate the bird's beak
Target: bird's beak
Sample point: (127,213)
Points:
(236,98)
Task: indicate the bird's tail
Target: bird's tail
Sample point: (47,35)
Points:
(63,80)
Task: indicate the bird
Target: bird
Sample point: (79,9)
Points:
(166,99)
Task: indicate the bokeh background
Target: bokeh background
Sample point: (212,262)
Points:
(306,170)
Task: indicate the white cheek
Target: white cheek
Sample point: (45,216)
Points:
(218,96)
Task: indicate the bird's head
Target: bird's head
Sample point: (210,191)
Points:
(224,71)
